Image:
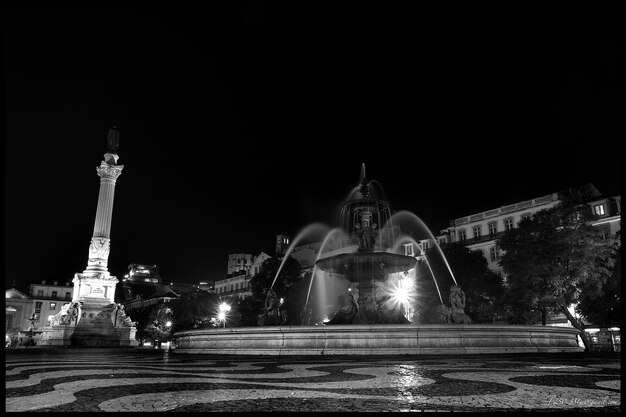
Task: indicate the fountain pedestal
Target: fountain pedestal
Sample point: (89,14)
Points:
(365,268)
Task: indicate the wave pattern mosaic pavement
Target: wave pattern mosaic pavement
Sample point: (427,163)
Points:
(113,380)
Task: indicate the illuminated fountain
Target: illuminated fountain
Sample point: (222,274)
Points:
(371,316)
(371,264)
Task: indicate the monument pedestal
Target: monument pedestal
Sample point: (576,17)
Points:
(103,325)
(92,319)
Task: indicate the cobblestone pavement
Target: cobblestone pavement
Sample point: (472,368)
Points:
(153,380)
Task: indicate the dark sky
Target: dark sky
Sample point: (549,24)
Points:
(236,124)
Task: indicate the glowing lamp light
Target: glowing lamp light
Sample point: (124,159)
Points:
(614,329)
(221,316)
(282,300)
(402,293)
(224,308)
(168,324)
(592,330)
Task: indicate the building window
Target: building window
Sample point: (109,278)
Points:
(39,293)
(492,228)
(68,295)
(599,210)
(38,305)
(494,253)
(425,245)
(53,306)
(508,223)
(476,232)
(525,216)
(461,235)
(408,249)
(54,294)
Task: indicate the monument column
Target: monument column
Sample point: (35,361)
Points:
(93,318)
(96,284)
(108,171)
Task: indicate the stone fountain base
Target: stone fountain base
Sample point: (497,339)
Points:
(431,339)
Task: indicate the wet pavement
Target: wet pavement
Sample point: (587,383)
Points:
(156,380)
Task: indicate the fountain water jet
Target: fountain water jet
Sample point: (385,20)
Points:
(402,240)
(334,231)
(405,213)
(304,232)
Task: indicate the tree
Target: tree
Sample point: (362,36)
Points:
(159,326)
(600,302)
(290,286)
(483,287)
(194,310)
(556,256)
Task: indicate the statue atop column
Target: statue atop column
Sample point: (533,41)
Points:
(113,140)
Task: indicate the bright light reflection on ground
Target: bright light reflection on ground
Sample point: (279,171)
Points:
(407,377)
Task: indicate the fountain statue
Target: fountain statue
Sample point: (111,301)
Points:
(457,306)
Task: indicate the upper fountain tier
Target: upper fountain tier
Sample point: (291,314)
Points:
(361,216)
(364,216)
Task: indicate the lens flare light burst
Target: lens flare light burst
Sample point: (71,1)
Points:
(403,293)
(222,314)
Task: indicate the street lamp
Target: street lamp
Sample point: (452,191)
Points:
(223,309)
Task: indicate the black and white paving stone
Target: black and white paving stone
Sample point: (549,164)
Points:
(152,380)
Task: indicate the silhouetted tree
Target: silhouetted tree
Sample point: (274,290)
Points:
(194,310)
(555,255)
(157,327)
(599,300)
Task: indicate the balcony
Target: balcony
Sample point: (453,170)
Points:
(484,238)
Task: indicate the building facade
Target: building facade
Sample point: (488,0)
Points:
(480,231)
(42,301)
(238,263)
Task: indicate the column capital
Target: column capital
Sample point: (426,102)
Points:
(106,171)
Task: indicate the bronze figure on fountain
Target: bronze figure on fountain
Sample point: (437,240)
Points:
(273,314)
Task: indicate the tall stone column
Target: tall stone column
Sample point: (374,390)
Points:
(101,239)
(95,285)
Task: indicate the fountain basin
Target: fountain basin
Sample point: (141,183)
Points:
(363,339)
(353,265)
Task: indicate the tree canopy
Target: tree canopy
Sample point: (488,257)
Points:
(556,258)
(195,310)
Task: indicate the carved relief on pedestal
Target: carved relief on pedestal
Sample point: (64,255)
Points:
(99,248)
(109,171)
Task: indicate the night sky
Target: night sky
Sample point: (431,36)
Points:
(237,124)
